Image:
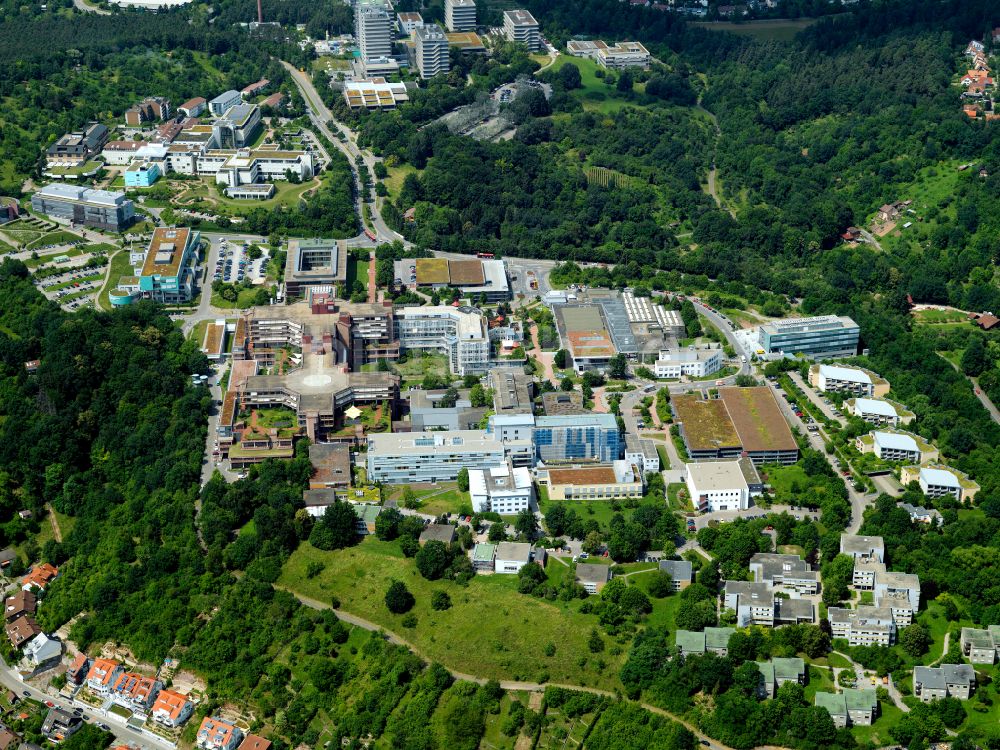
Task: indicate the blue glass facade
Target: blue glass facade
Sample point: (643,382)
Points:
(578,438)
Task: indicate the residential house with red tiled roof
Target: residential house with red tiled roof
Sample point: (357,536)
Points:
(22,630)
(135,691)
(21,603)
(76,672)
(171,708)
(40,576)
(102,675)
(253,742)
(216,734)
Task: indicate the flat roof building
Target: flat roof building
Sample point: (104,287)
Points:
(690,362)
(458,332)
(642,454)
(373,30)
(405,458)
(604,482)
(374,93)
(314,263)
(981,646)
(717,486)
(521,27)
(820,337)
(166,273)
(407,22)
(512,556)
(81,206)
(220,104)
(431,50)
(511,391)
(741,420)
(460,15)
(503,489)
(863,548)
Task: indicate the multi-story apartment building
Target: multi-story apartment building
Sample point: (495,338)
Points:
(889,583)
(617,56)
(896,445)
(458,332)
(171,708)
(81,206)
(981,646)
(850,707)
(521,27)
(899,604)
(786,571)
(217,734)
(864,626)
(675,363)
(460,15)
(431,50)
(847,379)
(404,458)
(681,573)
(238,127)
(756,604)
(135,691)
(879,411)
(938,480)
(863,577)
(778,671)
(826,336)
(373,29)
(151,109)
(946,681)
(863,548)
(715,640)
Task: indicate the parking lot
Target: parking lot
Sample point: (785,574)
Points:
(68,276)
(234,265)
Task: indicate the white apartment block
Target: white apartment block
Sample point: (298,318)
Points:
(864,626)
(890,583)
(521,27)
(373,30)
(847,379)
(696,363)
(898,603)
(458,332)
(863,578)
(618,56)
(946,681)
(787,571)
(938,480)
(863,548)
(981,646)
(460,15)
(878,411)
(431,50)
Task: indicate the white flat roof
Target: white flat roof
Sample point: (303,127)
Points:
(852,374)
(940,478)
(895,441)
(717,475)
(875,406)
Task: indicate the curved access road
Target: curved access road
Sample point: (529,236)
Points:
(88,8)
(322,118)
(505,684)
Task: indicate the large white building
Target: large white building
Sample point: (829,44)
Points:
(718,485)
(864,626)
(896,445)
(521,27)
(404,458)
(938,480)
(501,489)
(460,15)
(431,50)
(878,411)
(373,30)
(224,101)
(458,332)
(695,363)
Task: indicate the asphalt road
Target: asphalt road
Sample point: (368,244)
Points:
(9,678)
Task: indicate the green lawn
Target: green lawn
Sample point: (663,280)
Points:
(600,510)
(54,238)
(357,270)
(394,182)
(490,631)
(493,738)
(78,171)
(664,610)
(244,299)
(677,503)
(933,317)
(877,734)
(120,266)
(413,370)
(595,94)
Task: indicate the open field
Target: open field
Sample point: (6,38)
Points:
(413,370)
(490,631)
(936,317)
(595,94)
(771,30)
(394,182)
